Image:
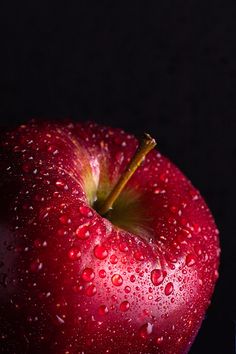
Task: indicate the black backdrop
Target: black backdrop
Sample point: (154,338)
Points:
(167,67)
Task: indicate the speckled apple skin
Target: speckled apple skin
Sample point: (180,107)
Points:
(72,282)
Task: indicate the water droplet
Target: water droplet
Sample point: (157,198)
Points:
(88,274)
(86,211)
(60,183)
(103,310)
(132,278)
(83,232)
(113,259)
(100,252)
(169,288)
(171,220)
(91,290)
(146,312)
(74,254)
(124,259)
(198,250)
(36,266)
(145,330)
(102,273)
(37,243)
(216,274)
(123,246)
(190,260)
(56,194)
(157,277)
(78,287)
(124,306)
(196,228)
(138,256)
(170,257)
(114,298)
(157,191)
(64,219)
(127,289)
(62,232)
(117,279)
(159,340)
(181,238)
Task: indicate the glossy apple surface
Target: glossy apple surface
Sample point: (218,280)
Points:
(72,281)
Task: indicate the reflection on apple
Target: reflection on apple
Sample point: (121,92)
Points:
(134,278)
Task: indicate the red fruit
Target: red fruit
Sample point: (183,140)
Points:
(136,281)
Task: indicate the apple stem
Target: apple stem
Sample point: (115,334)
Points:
(146,145)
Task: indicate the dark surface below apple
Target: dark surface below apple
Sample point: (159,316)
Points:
(169,69)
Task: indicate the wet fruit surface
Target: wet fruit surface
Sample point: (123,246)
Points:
(71,281)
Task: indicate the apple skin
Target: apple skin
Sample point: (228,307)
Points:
(71,281)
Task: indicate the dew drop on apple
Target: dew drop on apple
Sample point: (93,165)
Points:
(124,306)
(157,276)
(91,290)
(100,252)
(159,340)
(123,246)
(103,310)
(62,232)
(102,273)
(82,232)
(117,280)
(37,243)
(124,259)
(64,219)
(145,330)
(36,266)
(86,211)
(88,274)
(216,274)
(169,288)
(113,259)
(60,183)
(77,288)
(127,289)
(114,298)
(132,278)
(74,253)
(138,255)
(190,260)
(198,250)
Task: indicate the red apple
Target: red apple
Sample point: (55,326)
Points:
(138,280)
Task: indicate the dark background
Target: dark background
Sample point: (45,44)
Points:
(167,67)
